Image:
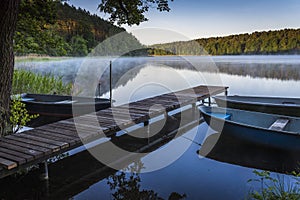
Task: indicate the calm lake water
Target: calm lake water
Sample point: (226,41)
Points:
(217,176)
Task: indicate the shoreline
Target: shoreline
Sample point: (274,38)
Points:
(30,58)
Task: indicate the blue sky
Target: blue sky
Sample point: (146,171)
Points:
(190,19)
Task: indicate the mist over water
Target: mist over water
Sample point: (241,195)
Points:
(243,74)
(134,78)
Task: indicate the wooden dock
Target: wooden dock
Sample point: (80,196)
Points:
(22,150)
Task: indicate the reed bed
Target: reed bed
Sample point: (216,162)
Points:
(30,82)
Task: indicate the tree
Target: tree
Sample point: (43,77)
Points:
(131,11)
(121,11)
(8,19)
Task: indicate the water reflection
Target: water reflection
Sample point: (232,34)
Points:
(234,151)
(127,186)
(83,177)
(74,175)
(181,72)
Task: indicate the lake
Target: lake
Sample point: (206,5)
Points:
(221,175)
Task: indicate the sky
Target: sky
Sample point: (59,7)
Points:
(193,19)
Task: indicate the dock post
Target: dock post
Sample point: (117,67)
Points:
(209,101)
(146,123)
(193,109)
(226,92)
(46,177)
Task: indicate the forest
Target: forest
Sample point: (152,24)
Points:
(285,41)
(54,28)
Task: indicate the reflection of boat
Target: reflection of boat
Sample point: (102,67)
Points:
(246,154)
(276,131)
(275,105)
(52,108)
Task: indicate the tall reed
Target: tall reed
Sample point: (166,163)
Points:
(30,82)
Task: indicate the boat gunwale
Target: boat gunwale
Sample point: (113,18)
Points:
(227,99)
(252,126)
(94,101)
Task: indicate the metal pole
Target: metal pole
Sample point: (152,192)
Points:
(99,85)
(110,82)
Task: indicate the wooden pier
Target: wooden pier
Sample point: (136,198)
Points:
(22,150)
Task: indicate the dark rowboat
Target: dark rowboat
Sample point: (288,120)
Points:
(272,105)
(52,108)
(272,131)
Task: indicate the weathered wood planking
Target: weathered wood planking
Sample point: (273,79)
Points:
(44,142)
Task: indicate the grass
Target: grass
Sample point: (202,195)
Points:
(37,58)
(277,188)
(30,82)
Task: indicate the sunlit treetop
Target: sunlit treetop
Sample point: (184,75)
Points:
(131,12)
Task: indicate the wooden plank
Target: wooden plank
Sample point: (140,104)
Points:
(62,129)
(143,106)
(60,133)
(82,126)
(13,158)
(132,111)
(51,136)
(8,164)
(27,157)
(55,129)
(53,148)
(40,138)
(86,132)
(127,112)
(36,154)
(18,144)
(115,116)
(116,119)
(91,121)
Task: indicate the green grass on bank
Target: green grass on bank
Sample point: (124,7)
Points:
(19,59)
(30,82)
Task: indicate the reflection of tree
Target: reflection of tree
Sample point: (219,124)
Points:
(127,186)
(272,71)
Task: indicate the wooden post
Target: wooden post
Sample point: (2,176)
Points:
(209,101)
(110,82)
(194,109)
(46,177)
(226,92)
(146,123)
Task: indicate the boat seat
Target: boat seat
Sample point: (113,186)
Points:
(221,115)
(279,124)
(65,102)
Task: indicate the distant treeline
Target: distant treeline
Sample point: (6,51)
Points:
(285,41)
(52,27)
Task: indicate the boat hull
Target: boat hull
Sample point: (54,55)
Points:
(53,108)
(272,105)
(255,135)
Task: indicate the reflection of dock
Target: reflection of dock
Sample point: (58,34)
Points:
(74,174)
(35,146)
